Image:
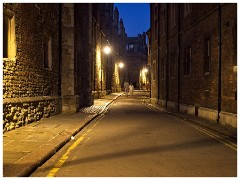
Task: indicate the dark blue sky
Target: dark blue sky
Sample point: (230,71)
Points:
(136,17)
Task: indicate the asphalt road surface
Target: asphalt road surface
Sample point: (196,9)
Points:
(133,140)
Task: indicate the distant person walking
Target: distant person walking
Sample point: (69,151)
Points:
(131,88)
(126,88)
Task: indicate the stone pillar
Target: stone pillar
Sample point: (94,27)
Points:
(69,97)
(83,54)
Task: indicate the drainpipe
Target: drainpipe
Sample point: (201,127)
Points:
(60,49)
(158,52)
(167,58)
(219,60)
(179,44)
(150,52)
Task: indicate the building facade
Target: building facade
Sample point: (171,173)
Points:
(31,74)
(193,58)
(136,60)
(53,59)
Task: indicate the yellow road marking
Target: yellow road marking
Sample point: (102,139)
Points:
(64,158)
(215,136)
(96,123)
(219,138)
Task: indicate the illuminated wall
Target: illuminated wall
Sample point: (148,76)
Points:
(30,89)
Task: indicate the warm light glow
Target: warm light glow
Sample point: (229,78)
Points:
(98,63)
(107,50)
(145,70)
(121,65)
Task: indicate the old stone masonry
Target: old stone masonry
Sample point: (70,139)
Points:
(17,114)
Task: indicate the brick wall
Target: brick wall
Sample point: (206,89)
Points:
(198,89)
(154,54)
(229,58)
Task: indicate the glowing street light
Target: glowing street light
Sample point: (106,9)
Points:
(107,50)
(121,65)
(145,70)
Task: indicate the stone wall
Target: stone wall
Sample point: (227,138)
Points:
(19,112)
(28,85)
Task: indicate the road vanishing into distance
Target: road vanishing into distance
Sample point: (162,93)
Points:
(132,139)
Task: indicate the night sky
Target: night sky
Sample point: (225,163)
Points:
(136,17)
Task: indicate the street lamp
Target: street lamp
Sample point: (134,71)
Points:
(107,51)
(121,65)
(145,70)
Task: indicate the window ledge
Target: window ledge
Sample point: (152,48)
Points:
(10,59)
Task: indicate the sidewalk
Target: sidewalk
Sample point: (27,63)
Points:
(28,147)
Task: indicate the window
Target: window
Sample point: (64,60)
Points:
(187,62)
(173,15)
(130,47)
(48,54)
(187,8)
(9,40)
(207,58)
(173,66)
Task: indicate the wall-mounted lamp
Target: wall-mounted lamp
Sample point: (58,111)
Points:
(107,50)
(145,70)
(121,65)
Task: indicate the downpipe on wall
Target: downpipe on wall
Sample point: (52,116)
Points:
(219,60)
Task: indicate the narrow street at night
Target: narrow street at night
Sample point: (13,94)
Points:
(132,139)
(119,89)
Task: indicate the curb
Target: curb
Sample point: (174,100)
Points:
(43,156)
(196,123)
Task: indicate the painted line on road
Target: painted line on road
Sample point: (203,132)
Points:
(65,156)
(219,138)
(213,135)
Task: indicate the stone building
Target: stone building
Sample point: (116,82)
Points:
(108,30)
(119,42)
(31,68)
(194,59)
(136,59)
(53,60)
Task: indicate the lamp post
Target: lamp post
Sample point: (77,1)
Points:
(107,51)
(143,77)
(120,65)
(145,70)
